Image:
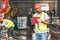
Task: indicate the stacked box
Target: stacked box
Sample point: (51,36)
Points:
(22,22)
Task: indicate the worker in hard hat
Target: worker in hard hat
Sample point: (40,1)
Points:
(40,20)
(9,25)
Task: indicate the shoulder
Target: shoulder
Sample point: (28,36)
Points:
(34,15)
(7,20)
(44,13)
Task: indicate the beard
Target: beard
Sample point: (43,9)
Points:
(38,11)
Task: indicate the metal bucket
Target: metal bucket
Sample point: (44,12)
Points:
(23,38)
(34,36)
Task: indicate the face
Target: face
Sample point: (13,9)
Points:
(38,10)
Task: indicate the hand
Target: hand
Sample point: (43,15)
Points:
(39,20)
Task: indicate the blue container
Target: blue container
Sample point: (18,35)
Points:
(16,26)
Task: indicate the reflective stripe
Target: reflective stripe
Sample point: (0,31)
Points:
(9,24)
(36,28)
(42,26)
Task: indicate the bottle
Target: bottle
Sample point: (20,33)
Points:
(34,36)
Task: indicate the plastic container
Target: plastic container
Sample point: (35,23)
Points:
(34,36)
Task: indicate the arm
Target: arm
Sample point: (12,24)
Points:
(46,18)
(46,21)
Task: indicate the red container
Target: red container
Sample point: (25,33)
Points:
(34,20)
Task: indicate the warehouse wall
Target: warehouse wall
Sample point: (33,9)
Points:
(25,6)
(58,8)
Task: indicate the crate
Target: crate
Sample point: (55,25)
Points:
(22,22)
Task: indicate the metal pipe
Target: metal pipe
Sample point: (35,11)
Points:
(34,1)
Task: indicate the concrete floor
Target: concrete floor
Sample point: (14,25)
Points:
(23,34)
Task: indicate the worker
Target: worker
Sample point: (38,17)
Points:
(9,25)
(40,19)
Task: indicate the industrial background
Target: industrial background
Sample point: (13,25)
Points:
(21,12)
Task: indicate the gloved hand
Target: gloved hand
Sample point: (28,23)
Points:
(39,20)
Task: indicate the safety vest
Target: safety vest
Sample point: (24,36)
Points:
(9,23)
(40,26)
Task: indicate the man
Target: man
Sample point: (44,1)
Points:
(9,25)
(40,19)
(6,23)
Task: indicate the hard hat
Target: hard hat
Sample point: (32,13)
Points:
(1,19)
(37,5)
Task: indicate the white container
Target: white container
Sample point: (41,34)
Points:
(34,36)
(23,38)
(22,22)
